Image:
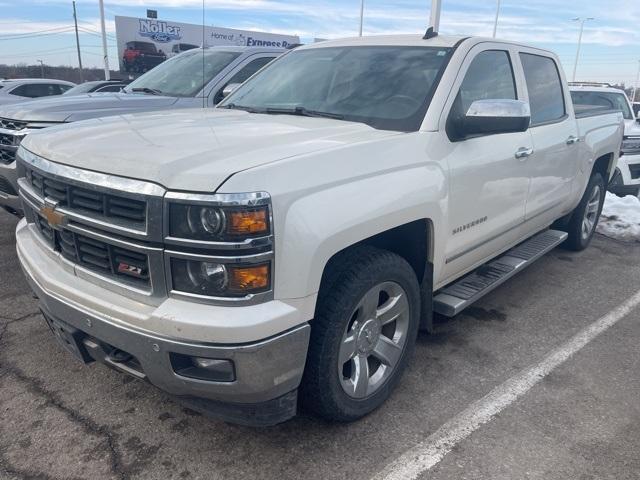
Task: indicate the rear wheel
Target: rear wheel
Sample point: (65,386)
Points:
(584,218)
(362,335)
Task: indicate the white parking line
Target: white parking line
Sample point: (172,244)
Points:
(428,453)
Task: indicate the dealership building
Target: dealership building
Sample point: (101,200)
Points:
(146,42)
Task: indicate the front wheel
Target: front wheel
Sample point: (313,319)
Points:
(362,335)
(584,218)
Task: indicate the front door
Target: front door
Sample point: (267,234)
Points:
(488,184)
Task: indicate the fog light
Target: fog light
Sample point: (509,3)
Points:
(202,368)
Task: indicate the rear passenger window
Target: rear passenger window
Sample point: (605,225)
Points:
(489,77)
(546,98)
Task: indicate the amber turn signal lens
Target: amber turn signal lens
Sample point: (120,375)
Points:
(248,222)
(248,279)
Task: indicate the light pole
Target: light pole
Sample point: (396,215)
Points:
(107,74)
(361,16)
(434,21)
(41,68)
(575,65)
(635,85)
(495,23)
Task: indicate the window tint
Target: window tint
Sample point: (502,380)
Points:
(110,88)
(546,98)
(249,69)
(593,101)
(489,77)
(35,90)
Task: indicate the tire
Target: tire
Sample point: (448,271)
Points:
(362,290)
(584,219)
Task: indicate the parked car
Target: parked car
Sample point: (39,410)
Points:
(141,56)
(181,47)
(626,179)
(287,245)
(175,84)
(23,89)
(97,86)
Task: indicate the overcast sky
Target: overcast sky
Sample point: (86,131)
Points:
(611,43)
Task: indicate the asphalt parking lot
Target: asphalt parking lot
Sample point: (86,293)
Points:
(63,420)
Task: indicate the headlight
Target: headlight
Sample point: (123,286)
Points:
(631,146)
(221,219)
(229,246)
(215,279)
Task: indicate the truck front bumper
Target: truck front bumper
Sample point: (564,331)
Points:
(9,187)
(261,390)
(626,179)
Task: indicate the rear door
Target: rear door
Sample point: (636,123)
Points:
(488,185)
(553,165)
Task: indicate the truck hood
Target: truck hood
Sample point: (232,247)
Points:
(80,107)
(191,150)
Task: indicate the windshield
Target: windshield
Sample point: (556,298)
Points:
(602,100)
(386,87)
(182,75)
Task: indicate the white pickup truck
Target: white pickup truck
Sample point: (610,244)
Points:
(589,98)
(285,248)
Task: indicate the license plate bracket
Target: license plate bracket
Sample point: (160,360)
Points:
(69,338)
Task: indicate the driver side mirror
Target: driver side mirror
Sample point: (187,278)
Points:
(488,117)
(229,89)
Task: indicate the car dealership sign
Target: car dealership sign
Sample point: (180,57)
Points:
(168,38)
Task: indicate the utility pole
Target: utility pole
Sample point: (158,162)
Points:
(575,65)
(107,74)
(41,68)
(635,85)
(75,21)
(361,16)
(434,21)
(495,23)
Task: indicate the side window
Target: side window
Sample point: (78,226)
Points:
(243,74)
(546,97)
(110,88)
(60,88)
(20,91)
(489,77)
(249,69)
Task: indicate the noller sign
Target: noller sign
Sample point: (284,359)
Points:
(165,38)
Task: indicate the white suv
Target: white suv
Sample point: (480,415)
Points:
(626,180)
(13,91)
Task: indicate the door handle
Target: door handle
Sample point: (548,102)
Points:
(523,153)
(572,139)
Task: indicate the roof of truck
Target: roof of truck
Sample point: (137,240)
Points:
(412,40)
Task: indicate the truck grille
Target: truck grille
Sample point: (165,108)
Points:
(6,139)
(7,156)
(12,124)
(87,201)
(6,187)
(635,171)
(96,255)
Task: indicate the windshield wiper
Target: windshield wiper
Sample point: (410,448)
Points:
(233,106)
(304,112)
(152,91)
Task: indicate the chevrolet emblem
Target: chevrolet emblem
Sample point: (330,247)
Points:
(54,218)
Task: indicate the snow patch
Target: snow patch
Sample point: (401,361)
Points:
(620,218)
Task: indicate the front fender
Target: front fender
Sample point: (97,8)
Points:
(323,223)
(328,201)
